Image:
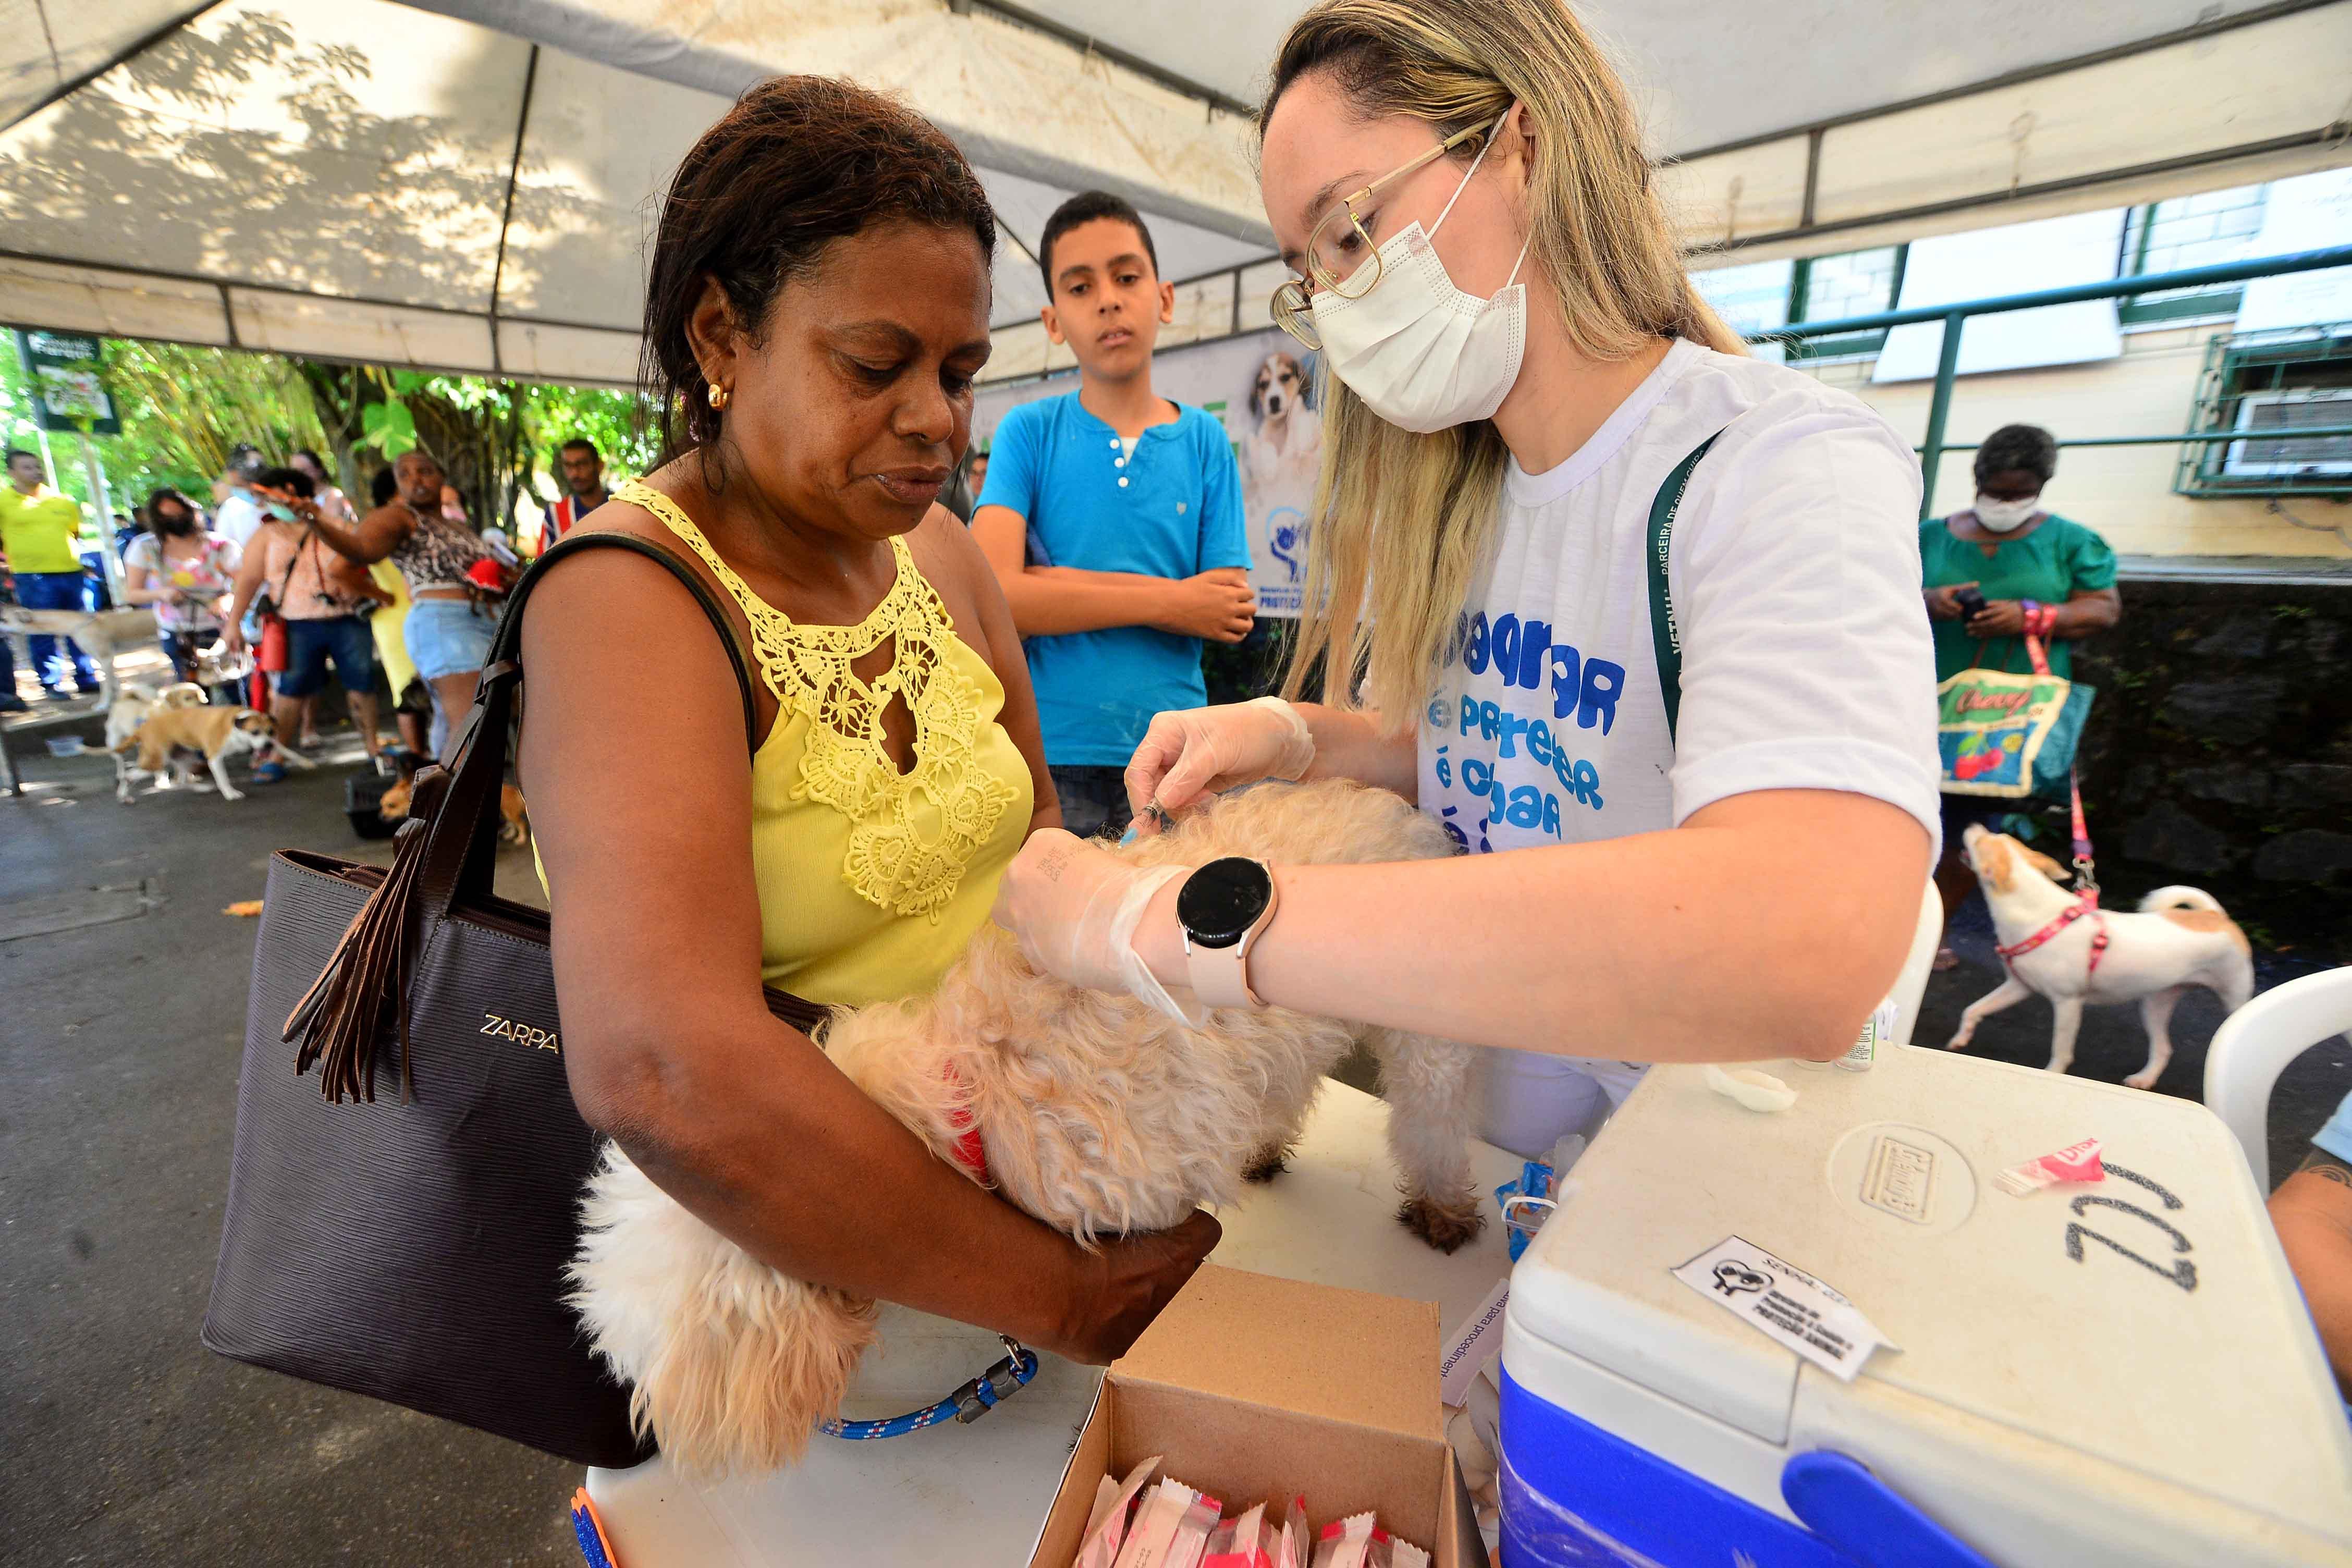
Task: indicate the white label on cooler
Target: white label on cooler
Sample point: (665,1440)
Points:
(1900,1178)
(1785,1302)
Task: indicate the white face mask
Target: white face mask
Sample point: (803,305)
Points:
(1422,354)
(2003,516)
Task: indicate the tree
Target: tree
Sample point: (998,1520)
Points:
(182,408)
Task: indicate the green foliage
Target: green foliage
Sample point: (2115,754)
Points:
(184,408)
(388,426)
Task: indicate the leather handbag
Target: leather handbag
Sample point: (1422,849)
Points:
(403,1195)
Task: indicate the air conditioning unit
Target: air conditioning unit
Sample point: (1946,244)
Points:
(2274,416)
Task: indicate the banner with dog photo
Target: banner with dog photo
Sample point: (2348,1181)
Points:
(1261,387)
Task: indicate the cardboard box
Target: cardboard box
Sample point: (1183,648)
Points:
(1256,1388)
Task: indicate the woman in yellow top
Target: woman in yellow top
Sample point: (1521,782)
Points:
(817,308)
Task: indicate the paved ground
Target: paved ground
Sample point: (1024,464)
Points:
(128,1443)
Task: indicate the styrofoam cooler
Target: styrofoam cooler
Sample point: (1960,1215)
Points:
(2131,1379)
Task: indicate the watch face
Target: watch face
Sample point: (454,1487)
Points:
(1218,903)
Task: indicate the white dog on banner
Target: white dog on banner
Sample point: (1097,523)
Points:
(1287,447)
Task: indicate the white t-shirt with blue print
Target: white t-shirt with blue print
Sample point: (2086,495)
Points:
(1806,657)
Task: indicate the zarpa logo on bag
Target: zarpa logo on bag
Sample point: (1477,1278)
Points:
(521,1033)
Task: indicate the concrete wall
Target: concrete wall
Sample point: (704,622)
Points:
(2219,748)
(2124,493)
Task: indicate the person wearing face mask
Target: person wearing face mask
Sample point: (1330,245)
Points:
(183,570)
(1994,572)
(1636,612)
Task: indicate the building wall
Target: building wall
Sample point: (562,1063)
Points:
(2124,493)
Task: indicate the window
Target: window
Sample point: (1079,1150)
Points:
(1765,296)
(2203,230)
(2271,386)
(1830,287)
(1751,298)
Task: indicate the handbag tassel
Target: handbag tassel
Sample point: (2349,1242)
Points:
(340,1020)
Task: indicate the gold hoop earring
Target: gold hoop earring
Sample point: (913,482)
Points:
(718,396)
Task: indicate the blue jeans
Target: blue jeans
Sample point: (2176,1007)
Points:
(347,641)
(55,591)
(448,636)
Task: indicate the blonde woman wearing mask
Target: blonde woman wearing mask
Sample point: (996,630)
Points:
(1723,866)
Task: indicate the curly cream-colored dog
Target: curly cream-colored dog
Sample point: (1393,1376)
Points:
(1096,1113)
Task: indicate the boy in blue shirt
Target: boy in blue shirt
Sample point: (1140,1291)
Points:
(1113,518)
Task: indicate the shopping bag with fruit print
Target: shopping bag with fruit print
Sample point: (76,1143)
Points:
(2010,737)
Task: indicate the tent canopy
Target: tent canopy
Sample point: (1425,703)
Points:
(469,184)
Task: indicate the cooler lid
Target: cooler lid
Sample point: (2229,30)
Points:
(2155,1326)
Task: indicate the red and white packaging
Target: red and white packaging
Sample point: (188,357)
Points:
(1295,1546)
(1157,1520)
(1107,1525)
(1348,1543)
(1193,1533)
(1246,1542)
(2075,1162)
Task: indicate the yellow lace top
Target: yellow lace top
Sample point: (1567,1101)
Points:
(871,881)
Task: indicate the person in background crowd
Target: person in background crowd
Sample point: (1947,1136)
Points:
(1721,867)
(412,695)
(324,600)
(816,310)
(236,516)
(184,571)
(334,505)
(447,629)
(2311,1212)
(39,528)
(1114,522)
(976,471)
(584,488)
(127,529)
(2025,562)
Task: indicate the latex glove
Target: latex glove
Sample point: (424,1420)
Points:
(1195,751)
(1073,908)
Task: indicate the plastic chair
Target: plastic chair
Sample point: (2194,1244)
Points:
(2254,1045)
(1911,984)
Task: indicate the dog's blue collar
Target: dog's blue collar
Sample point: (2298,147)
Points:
(967,1404)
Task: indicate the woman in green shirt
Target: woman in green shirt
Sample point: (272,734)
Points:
(2019,557)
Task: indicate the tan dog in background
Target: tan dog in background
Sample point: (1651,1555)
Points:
(137,703)
(513,828)
(2179,938)
(219,733)
(1095,1113)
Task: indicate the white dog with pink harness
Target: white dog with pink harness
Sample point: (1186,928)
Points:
(2062,945)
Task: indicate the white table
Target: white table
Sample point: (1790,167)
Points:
(953,1494)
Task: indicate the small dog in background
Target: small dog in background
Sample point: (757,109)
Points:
(1092,1111)
(218,733)
(1288,448)
(2180,937)
(100,634)
(514,826)
(134,705)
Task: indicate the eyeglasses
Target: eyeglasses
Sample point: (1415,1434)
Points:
(1338,263)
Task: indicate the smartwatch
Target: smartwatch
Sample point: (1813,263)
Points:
(1222,908)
